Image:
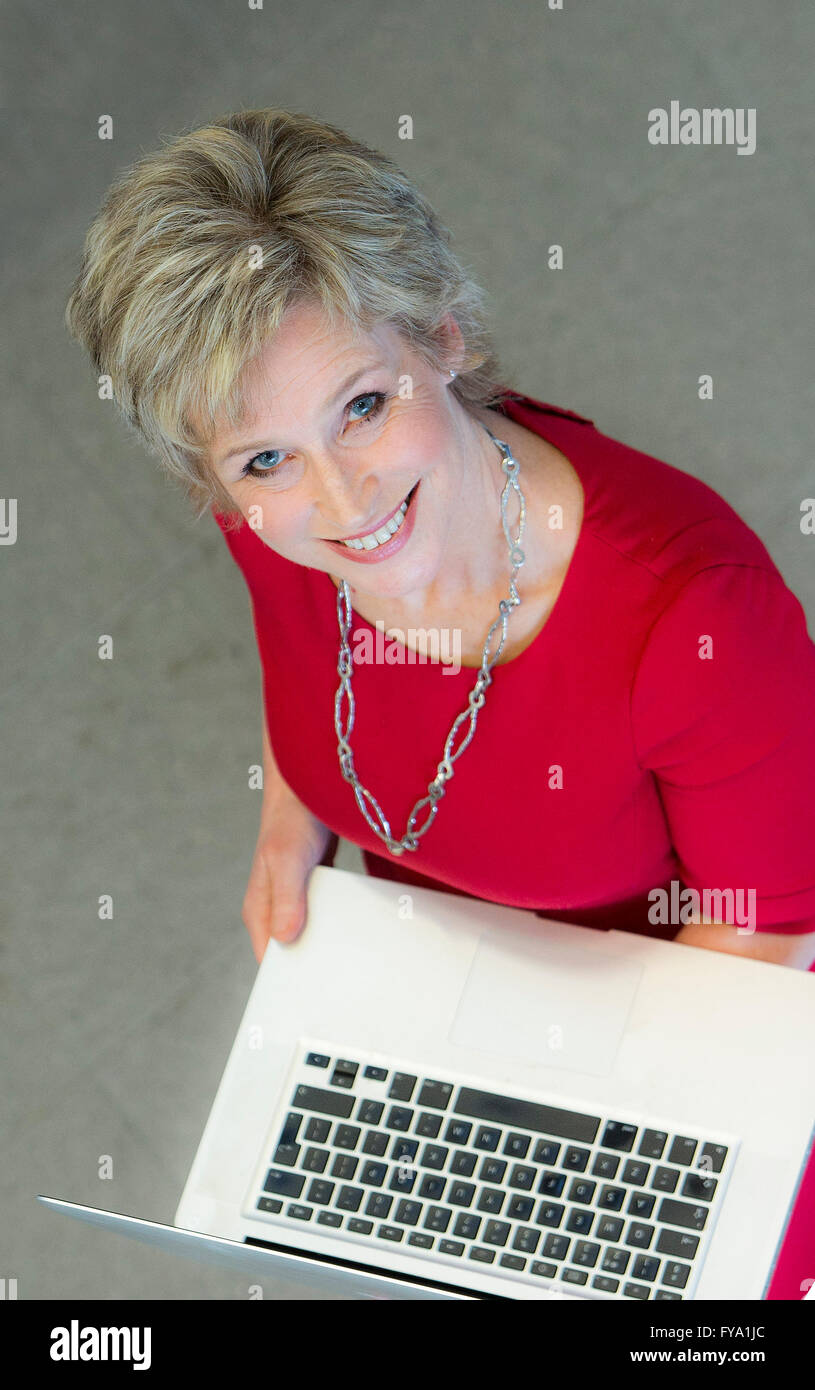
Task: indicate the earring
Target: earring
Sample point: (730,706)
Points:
(452,374)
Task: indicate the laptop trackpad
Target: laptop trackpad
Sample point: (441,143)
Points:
(563,1007)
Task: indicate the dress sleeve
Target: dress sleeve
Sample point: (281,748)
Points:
(723,715)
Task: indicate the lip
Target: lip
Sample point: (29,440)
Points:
(369,530)
(397,540)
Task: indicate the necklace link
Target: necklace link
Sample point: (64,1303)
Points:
(436,789)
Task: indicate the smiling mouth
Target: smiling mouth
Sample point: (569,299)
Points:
(371,540)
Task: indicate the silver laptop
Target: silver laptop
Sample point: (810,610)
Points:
(436,1097)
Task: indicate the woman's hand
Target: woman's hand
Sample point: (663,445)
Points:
(290,843)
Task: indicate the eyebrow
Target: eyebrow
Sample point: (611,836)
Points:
(340,391)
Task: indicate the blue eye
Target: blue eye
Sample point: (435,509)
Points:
(249,470)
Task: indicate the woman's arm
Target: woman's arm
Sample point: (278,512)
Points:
(779,948)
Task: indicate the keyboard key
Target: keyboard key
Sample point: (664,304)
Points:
(324,1102)
(479,1252)
(314,1160)
(344,1166)
(346,1136)
(287,1155)
(467,1225)
(408,1212)
(451,1247)
(639,1235)
(496,1232)
(618,1135)
(329,1218)
(320,1192)
(419,1238)
(460,1194)
(375,1143)
(574,1276)
(606,1283)
(491,1199)
(434,1093)
(378,1205)
(526,1114)
(286,1184)
(636,1290)
(270,1204)
(579,1222)
(373,1174)
(641,1204)
(317,1059)
(681,1214)
(463,1164)
(492,1170)
(394,1233)
(358,1226)
(546,1151)
(526,1239)
(665,1179)
(605,1166)
(522,1176)
(317,1130)
(487,1138)
(682,1149)
(552,1184)
(652,1143)
(370,1111)
(545,1270)
(376,1073)
(677,1243)
(512,1261)
(611,1198)
(402,1086)
(609,1227)
(675,1274)
(712,1157)
(520,1208)
(402,1179)
(616,1261)
(635,1172)
(702,1189)
(580,1190)
(399,1117)
(404,1149)
(349,1198)
(428,1125)
(550,1214)
(585,1253)
(575,1159)
(437,1218)
(517,1145)
(666,1293)
(298,1212)
(434,1156)
(344,1073)
(457,1132)
(645,1267)
(432,1187)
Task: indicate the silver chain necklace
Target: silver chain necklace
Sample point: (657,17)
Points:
(444,771)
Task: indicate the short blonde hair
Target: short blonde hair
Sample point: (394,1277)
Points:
(173,299)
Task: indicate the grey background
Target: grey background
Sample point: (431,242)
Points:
(130,777)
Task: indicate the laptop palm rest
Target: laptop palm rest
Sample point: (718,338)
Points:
(547,1001)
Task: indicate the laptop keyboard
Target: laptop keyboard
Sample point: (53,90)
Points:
(601,1203)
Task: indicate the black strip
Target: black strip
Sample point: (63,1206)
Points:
(369,1269)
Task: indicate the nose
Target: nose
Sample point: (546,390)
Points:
(344,498)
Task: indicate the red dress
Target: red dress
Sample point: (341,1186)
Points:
(674,769)
(609,758)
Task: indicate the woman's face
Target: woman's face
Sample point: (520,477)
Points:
(329,450)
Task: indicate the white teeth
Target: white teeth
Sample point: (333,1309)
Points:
(384,533)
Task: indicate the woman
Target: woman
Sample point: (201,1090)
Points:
(629,714)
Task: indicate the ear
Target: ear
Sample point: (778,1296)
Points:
(454,343)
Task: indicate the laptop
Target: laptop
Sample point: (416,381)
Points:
(432,1096)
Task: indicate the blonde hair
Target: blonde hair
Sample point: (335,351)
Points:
(199,248)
